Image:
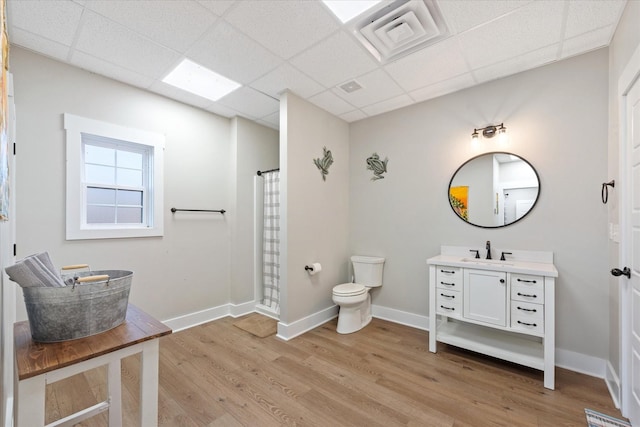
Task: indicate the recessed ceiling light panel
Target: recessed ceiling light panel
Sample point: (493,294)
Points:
(346,10)
(200,81)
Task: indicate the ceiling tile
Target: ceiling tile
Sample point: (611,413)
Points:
(587,41)
(272,120)
(284,27)
(107,69)
(376,86)
(172,23)
(388,105)
(223,111)
(228,52)
(219,7)
(444,87)
(353,116)
(335,60)
(462,15)
(531,27)
(518,64)
(287,77)
(179,95)
(118,45)
(39,44)
(428,66)
(251,102)
(331,102)
(584,16)
(55,20)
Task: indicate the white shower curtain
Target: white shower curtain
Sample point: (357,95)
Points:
(271,241)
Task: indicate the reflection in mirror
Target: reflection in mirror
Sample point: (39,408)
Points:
(494,189)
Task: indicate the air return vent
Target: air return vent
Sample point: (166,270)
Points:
(399,28)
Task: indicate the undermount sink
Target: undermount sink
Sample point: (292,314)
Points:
(480,261)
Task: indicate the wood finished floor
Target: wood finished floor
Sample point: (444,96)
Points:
(219,375)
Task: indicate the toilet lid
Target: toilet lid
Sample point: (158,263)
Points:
(349,289)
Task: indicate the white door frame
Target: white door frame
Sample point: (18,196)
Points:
(627,79)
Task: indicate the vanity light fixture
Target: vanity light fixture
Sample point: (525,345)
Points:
(489,132)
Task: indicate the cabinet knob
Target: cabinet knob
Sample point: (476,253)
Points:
(501,280)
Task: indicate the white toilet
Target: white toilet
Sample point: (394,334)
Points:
(353,298)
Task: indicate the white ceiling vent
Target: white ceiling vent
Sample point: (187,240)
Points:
(401,27)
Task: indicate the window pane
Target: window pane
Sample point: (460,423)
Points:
(101,196)
(126,197)
(99,155)
(100,174)
(130,160)
(129,215)
(130,178)
(101,215)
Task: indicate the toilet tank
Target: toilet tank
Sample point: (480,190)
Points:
(367,270)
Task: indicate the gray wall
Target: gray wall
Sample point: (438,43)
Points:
(625,41)
(253,147)
(558,123)
(314,213)
(185,271)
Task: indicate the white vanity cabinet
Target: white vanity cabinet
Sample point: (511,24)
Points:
(504,309)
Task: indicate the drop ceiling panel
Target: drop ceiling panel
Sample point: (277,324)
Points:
(586,41)
(172,92)
(531,27)
(376,86)
(118,45)
(444,87)
(219,7)
(287,77)
(462,15)
(99,66)
(353,116)
(335,60)
(56,21)
(39,44)
(388,105)
(284,27)
(251,102)
(428,66)
(175,24)
(332,103)
(584,16)
(229,52)
(515,65)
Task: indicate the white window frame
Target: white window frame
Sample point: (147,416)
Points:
(76,226)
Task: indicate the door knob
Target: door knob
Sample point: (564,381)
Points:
(624,272)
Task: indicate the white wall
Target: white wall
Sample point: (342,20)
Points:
(254,147)
(624,43)
(557,122)
(185,271)
(314,212)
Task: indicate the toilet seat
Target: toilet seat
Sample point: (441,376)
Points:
(349,290)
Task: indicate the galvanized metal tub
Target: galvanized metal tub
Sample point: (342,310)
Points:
(79,310)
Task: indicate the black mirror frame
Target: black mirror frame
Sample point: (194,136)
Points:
(492,153)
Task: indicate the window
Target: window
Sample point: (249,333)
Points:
(114,180)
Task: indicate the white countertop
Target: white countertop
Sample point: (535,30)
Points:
(509,266)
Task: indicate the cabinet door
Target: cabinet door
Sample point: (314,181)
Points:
(485,296)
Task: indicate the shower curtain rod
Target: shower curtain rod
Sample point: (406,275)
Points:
(270,170)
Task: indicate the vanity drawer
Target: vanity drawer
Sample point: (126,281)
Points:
(449,302)
(527,317)
(527,293)
(529,281)
(449,278)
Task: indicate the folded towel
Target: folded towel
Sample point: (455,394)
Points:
(35,270)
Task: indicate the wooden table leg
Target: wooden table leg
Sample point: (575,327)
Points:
(114,381)
(149,383)
(30,402)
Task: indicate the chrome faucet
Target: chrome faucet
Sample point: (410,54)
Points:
(488,249)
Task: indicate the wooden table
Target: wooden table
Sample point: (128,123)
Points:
(39,364)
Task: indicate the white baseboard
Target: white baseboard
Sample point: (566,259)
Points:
(198,318)
(581,363)
(237,310)
(402,317)
(613,384)
(299,327)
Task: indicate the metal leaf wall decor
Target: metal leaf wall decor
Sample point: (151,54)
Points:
(324,163)
(377,166)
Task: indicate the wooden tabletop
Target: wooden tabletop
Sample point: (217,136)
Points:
(34,358)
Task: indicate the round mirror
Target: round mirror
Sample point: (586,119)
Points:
(494,189)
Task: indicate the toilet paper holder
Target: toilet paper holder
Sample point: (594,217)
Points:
(308,268)
(313,268)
